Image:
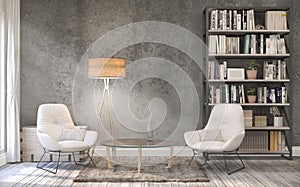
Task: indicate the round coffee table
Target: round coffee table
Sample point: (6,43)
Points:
(138,143)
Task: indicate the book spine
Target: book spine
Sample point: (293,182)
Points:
(261,44)
(238,22)
(246,44)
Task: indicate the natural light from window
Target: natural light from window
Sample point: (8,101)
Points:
(2,80)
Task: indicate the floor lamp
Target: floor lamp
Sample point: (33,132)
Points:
(106,69)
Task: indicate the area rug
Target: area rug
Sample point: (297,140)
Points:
(153,170)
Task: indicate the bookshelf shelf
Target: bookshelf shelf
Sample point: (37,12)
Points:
(247,56)
(232,43)
(250,81)
(268,128)
(243,32)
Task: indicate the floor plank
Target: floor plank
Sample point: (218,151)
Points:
(258,172)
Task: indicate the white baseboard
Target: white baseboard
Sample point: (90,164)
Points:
(296,150)
(3,159)
(164,151)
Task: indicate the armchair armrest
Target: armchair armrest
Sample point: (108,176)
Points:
(234,142)
(48,142)
(91,138)
(192,137)
(81,127)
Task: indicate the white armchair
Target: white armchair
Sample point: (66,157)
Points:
(223,133)
(58,134)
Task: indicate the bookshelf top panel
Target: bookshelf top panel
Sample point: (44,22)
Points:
(236,56)
(249,80)
(268,128)
(256,9)
(244,32)
(258,104)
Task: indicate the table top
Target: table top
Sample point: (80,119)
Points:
(138,142)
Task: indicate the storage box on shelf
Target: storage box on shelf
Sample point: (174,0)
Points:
(235,37)
(32,150)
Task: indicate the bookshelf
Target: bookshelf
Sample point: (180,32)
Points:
(233,36)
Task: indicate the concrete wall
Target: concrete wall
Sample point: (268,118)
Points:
(58,37)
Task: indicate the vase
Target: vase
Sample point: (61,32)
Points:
(251,74)
(251,98)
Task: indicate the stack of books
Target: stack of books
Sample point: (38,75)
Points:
(275,20)
(248,118)
(275,45)
(226,93)
(232,20)
(274,69)
(260,121)
(255,141)
(222,44)
(277,141)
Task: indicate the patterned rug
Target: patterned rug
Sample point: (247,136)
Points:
(153,170)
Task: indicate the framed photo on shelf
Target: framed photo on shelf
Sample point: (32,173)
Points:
(235,74)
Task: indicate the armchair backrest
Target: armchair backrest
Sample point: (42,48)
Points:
(53,118)
(226,121)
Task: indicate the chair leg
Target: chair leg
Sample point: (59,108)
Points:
(57,163)
(84,164)
(191,159)
(205,159)
(229,172)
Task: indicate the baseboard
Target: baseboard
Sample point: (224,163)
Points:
(3,159)
(164,151)
(296,150)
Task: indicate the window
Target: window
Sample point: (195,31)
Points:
(2,78)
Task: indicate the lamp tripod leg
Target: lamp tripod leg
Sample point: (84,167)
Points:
(101,106)
(110,112)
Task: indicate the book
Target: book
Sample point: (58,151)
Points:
(253,44)
(225,69)
(246,43)
(238,22)
(222,71)
(283,95)
(261,44)
(272,146)
(275,141)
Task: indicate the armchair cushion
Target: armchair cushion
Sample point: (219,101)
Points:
(209,146)
(73,146)
(73,134)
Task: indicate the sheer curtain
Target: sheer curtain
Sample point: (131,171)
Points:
(10,78)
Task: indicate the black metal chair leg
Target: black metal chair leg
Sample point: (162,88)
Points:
(57,163)
(191,160)
(91,159)
(205,159)
(229,172)
(84,164)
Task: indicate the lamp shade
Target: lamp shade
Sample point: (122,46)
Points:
(101,68)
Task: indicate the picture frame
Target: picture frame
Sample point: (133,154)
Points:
(235,74)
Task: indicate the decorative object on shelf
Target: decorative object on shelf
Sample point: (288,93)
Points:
(106,69)
(251,95)
(278,119)
(252,67)
(235,74)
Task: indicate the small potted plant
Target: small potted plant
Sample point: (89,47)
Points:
(251,95)
(252,67)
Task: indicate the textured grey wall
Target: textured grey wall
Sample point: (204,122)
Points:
(56,37)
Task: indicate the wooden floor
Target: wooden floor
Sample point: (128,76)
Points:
(259,172)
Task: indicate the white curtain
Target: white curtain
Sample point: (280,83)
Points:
(10,77)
